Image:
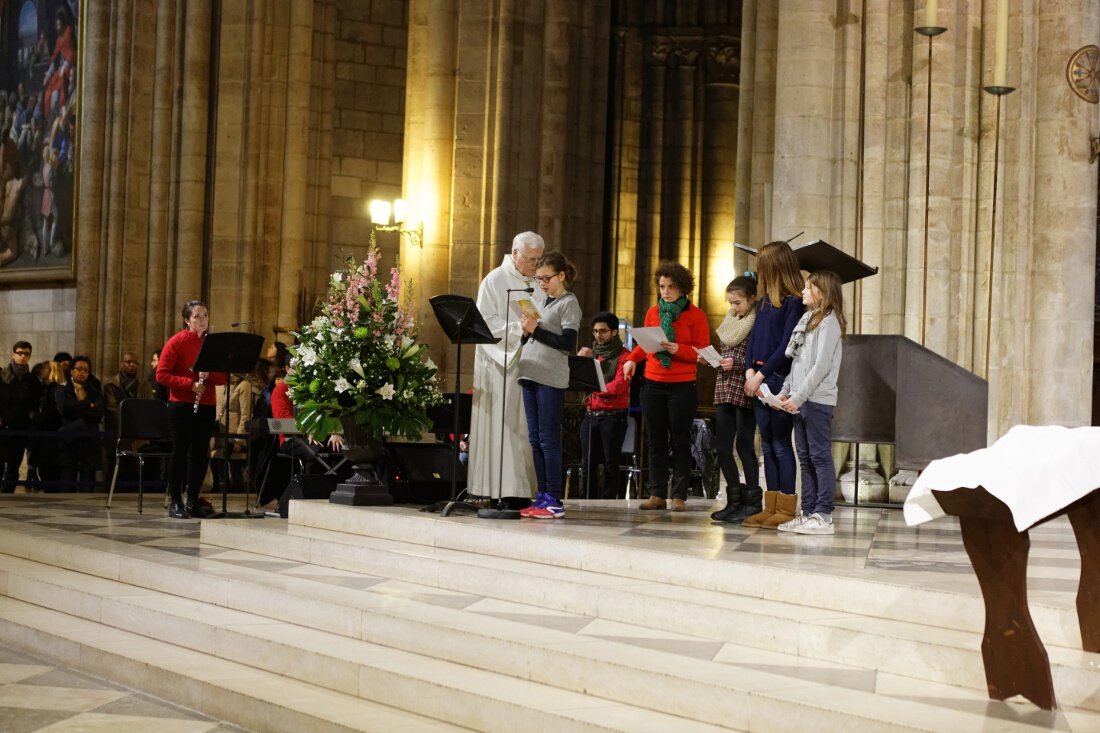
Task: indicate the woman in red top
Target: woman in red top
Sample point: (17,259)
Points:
(190,411)
(669,400)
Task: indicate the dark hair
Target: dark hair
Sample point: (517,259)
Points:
(85,359)
(259,372)
(680,276)
(63,356)
(22,345)
(560,263)
(42,366)
(156,353)
(744,284)
(607,317)
(189,308)
(282,356)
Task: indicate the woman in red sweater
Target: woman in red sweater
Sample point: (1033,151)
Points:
(190,411)
(669,400)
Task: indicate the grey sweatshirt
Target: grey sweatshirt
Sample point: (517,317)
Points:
(545,364)
(816,366)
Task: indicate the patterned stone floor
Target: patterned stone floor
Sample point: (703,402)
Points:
(38,696)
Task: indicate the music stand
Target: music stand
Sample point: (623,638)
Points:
(229,352)
(462,322)
(586,375)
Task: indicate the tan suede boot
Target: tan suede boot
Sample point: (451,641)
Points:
(785,507)
(757,519)
(677,505)
(653,503)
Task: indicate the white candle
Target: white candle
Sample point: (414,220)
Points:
(930,8)
(1001,55)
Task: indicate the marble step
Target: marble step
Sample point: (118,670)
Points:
(232,692)
(833,590)
(744,700)
(474,698)
(904,648)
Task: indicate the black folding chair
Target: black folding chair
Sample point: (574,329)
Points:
(140,420)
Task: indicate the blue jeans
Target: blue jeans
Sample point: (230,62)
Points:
(543,407)
(775,440)
(813,439)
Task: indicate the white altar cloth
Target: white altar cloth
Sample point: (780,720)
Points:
(1035,471)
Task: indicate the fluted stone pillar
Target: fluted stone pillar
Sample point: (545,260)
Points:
(718,173)
(1062,230)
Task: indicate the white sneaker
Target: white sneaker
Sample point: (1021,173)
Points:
(793,525)
(815,524)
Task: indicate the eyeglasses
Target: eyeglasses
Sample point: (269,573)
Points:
(528,260)
(20,352)
(546,278)
(601,331)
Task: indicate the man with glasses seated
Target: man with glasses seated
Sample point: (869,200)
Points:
(604,425)
(498,429)
(21,392)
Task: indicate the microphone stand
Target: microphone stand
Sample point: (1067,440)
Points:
(502,512)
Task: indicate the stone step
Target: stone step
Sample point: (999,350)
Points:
(828,590)
(746,700)
(238,694)
(904,648)
(473,698)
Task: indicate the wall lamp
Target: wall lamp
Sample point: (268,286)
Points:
(381,214)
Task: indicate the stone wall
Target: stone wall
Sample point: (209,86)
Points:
(46,317)
(368,118)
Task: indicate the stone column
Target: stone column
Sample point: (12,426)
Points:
(718,172)
(804,150)
(1063,225)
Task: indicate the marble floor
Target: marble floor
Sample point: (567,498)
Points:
(36,696)
(869,544)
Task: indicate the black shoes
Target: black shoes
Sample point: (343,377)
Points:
(178,511)
(199,511)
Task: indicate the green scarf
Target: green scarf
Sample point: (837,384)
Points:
(609,356)
(669,313)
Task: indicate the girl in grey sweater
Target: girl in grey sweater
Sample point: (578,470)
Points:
(548,340)
(810,393)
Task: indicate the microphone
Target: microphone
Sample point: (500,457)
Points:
(521,290)
(241,323)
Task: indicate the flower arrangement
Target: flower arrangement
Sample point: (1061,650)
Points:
(360,358)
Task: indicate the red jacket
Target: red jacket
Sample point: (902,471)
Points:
(692,332)
(281,406)
(617,395)
(174,369)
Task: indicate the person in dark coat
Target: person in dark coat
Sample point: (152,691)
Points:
(82,410)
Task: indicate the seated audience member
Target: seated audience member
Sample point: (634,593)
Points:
(123,386)
(159,390)
(42,449)
(240,412)
(82,410)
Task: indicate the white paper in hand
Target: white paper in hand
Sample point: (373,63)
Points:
(649,338)
(710,356)
(771,400)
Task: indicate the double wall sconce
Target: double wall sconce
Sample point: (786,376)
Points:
(383,212)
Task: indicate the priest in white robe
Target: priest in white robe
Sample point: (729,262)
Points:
(498,409)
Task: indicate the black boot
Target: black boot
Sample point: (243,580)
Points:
(176,510)
(196,508)
(751,502)
(734,503)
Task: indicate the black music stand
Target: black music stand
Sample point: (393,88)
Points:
(586,375)
(462,322)
(229,352)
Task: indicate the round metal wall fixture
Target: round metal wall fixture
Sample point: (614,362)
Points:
(1083,73)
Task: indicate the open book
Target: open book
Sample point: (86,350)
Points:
(524,306)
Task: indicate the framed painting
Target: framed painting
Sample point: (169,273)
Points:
(39,99)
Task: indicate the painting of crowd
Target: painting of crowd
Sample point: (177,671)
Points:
(59,421)
(39,97)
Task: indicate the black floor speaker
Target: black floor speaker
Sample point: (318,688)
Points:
(420,473)
(307,487)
